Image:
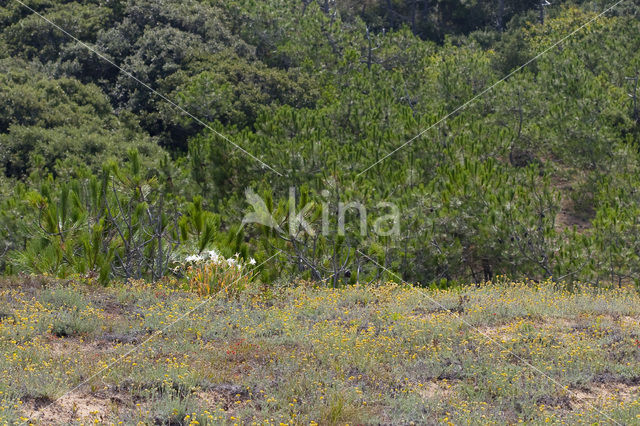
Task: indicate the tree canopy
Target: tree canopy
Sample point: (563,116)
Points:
(504,151)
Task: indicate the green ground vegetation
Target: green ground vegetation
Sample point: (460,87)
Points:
(536,178)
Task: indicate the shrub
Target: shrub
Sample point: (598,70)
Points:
(211,273)
(67,324)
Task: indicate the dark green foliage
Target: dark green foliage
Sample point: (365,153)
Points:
(56,125)
(120,182)
(33,37)
(231,89)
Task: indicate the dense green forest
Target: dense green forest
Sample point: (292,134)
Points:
(143,133)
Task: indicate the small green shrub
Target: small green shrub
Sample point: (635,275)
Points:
(69,324)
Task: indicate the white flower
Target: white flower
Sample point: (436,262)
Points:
(252,261)
(192,258)
(213,255)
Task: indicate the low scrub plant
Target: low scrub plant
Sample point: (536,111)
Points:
(211,273)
